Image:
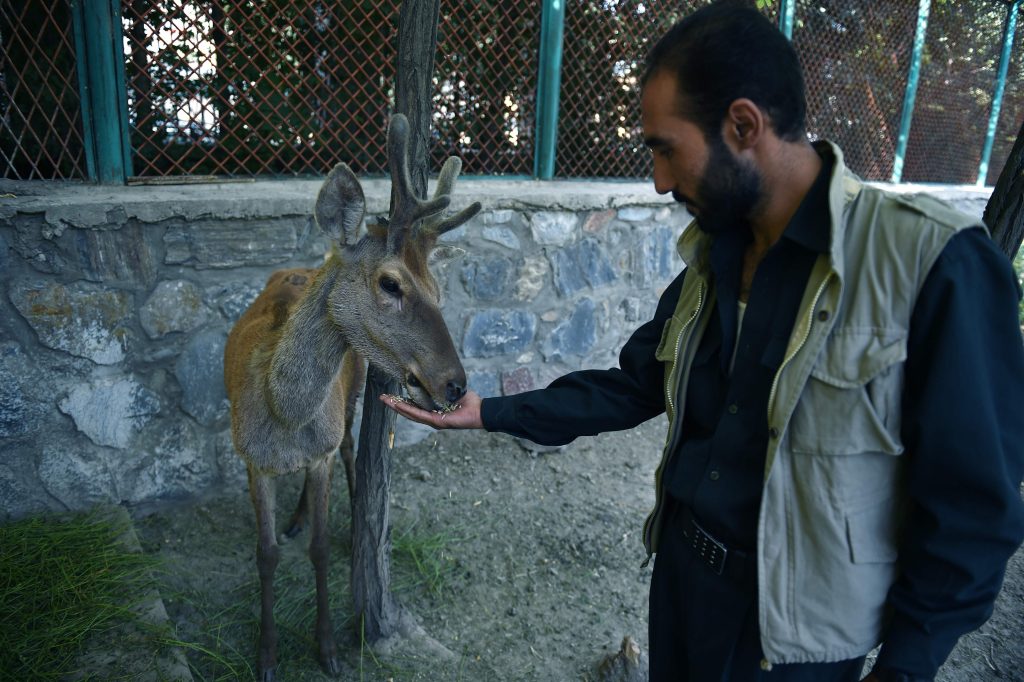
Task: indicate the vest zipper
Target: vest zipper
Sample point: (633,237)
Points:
(672,434)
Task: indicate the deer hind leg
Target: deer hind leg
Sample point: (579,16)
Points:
(261,490)
(318,487)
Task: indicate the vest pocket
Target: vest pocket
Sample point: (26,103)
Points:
(851,402)
(871,533)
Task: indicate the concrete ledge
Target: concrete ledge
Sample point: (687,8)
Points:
(83,205)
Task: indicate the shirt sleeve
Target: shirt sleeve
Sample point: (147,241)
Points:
(592,401)
(964,438)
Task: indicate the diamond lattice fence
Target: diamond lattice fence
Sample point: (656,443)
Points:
(248,88)
(855,56)
(293,87)
(954,97)
(486,85)
(40,110)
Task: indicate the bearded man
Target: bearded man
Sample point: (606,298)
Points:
(842,370)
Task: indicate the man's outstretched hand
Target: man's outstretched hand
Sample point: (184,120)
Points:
(466,414)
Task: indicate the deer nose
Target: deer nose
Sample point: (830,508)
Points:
(453,391)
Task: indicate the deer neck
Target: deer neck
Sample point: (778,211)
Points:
(308,356)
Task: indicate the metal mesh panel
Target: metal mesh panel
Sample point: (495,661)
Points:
(954,96)
(605,47)
(486,85)
(286,87)
(855,56)
(40,110)
(1011,115)
(235,88)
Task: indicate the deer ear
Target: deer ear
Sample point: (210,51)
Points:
(340,205)
(445,253)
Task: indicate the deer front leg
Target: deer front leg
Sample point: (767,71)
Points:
(261,490)
(318,490)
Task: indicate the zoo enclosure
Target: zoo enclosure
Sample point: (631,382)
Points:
(181,90)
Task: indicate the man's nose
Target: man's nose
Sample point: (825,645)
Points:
(663,180)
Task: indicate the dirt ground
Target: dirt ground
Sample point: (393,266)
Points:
(525,566)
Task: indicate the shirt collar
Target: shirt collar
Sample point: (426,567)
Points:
(809,226)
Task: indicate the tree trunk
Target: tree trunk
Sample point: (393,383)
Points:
(374,604)
(380,615)
(1004,214)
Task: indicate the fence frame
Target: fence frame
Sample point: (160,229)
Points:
(103,90)
(103,86)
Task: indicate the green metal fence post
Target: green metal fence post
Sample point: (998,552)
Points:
(911,92)
(787,12)
(101,82)
(552,25)
(997,97)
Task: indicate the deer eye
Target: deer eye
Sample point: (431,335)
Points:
(390,286)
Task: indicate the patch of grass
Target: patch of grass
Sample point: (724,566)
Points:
(422,560)
(62,581)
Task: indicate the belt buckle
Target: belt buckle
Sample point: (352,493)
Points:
(709,549)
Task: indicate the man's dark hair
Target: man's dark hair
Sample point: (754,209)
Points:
(725,51)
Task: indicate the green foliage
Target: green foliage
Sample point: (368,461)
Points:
(63,581)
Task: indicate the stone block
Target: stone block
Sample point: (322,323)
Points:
(498,217)
(516,381)
(597,220)
(229,244)
(550,228)
(630,307)
(19,414)
(486,279)
(5,253)
(635,214)
(498,332)
(110,411)
(77,477)
(485,383)
(200,372)
(170,461)
(503,236)
(532,276)
(174,306)
(81,319)
(581,265)
(124,255)
(577,335)
(233,298)
(456,235)
(655,257)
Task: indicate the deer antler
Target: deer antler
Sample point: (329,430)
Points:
(407,208)
(434,226)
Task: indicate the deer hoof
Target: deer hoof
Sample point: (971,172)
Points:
(268,674)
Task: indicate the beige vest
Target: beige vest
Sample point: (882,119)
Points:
(829,523)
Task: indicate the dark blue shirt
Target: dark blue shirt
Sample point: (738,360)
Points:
(718,470)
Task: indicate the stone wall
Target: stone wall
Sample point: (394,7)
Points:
(116,305)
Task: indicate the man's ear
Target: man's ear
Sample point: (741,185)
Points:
(744,125)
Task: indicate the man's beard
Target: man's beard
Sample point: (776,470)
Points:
(728,192)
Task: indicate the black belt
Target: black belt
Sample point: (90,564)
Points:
(735,564)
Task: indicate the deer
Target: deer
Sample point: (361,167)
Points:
(295,358)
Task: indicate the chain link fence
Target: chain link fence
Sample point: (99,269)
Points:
(291,87)
(40,114)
